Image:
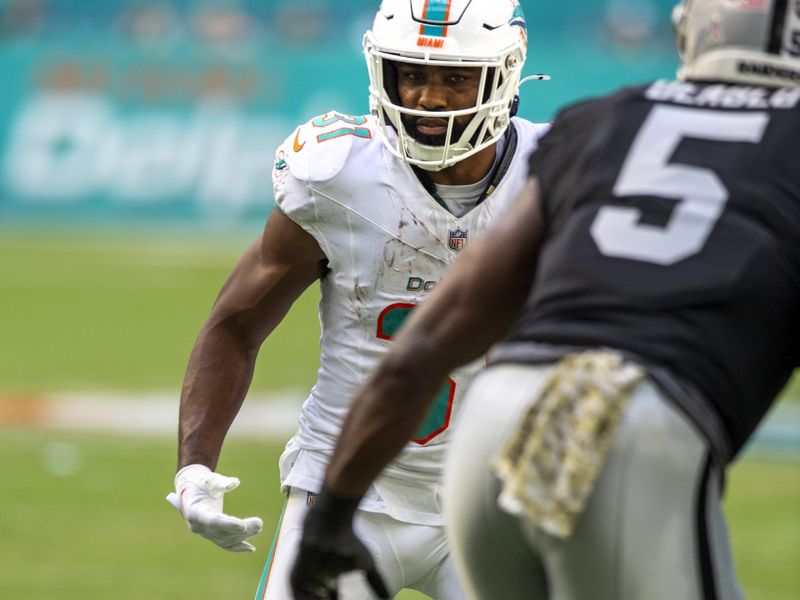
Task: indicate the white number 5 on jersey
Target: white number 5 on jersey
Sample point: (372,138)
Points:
(647,171)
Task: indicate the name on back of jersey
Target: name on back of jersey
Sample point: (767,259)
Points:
(723,96)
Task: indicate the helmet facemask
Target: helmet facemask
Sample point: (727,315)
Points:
(489,117)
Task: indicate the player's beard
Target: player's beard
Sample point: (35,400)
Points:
(410,125)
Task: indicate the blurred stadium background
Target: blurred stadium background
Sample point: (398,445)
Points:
(136,145)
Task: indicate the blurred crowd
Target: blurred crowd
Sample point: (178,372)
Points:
(161,24)
(164,23)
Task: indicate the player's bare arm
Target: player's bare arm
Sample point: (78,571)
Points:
(473,307)
(269,277)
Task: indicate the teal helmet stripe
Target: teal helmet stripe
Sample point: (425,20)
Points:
(435,10)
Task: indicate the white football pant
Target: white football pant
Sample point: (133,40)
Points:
(407,556)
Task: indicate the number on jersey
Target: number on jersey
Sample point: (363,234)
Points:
(438,417)
(648,171)
(330,118)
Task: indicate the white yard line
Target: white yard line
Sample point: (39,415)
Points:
(263,416)
(267,417)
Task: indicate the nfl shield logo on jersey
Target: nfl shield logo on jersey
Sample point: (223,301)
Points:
(458,239)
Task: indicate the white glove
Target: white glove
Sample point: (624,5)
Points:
(198,497)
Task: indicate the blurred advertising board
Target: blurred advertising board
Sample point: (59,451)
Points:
(104,131)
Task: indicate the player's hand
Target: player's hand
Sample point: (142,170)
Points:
(330,547)
(198,497)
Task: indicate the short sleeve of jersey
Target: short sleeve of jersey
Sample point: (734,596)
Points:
(293,198)
(289,185)
(311,156)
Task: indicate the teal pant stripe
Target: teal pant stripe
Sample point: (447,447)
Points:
(361,132)
(262,585)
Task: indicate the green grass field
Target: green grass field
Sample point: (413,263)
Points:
(84,516)
(106,532)
(122,311)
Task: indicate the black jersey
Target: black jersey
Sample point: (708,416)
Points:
(673,233)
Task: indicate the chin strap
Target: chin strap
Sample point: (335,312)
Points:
(501,166)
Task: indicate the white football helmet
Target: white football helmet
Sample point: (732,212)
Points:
(756,42)
(488,34)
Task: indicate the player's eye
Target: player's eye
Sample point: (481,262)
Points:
(413,76)
(460,76)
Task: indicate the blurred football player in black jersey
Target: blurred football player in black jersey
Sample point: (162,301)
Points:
(646,289)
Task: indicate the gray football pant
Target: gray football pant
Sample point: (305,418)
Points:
(653,528)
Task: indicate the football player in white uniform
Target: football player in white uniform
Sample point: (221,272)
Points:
(375,208)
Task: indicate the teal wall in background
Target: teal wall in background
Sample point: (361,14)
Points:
(115,110)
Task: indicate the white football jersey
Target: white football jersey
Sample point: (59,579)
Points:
(388,242)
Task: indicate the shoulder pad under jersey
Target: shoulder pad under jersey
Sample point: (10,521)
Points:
(529,130)
(529,135)
(317,150)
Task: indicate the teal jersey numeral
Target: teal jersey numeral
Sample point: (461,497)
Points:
(361,132)
(438,417)
(330,119)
